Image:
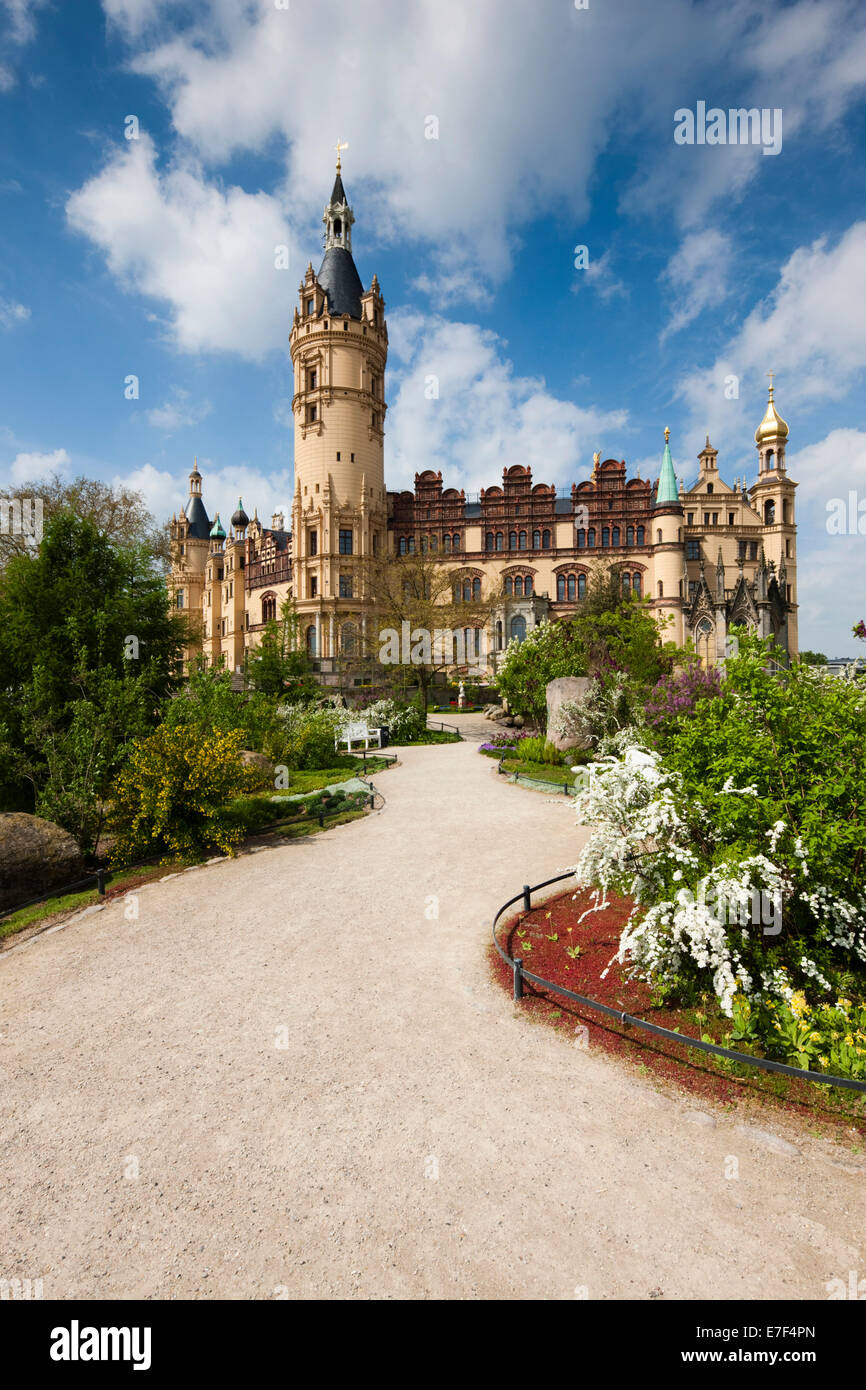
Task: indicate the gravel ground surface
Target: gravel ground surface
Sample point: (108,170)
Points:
(290,1076)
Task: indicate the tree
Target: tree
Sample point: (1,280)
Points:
(118,513)
(813,658)
(83,622)
(419,621)
(281,665)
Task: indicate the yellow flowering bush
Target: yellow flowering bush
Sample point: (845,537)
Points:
(173,795)
(824,1037)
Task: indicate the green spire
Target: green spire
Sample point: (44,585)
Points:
(668,490)
(217,532)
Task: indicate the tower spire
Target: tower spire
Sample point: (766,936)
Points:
(667,489)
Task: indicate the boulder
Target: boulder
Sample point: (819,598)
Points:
(35,856)
(564,688)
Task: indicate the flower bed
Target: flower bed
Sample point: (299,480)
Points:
(556,944)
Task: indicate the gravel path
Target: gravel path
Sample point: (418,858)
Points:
(290,1077)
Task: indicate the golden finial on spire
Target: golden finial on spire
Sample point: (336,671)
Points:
(667,433)
(340,146)
(771,375)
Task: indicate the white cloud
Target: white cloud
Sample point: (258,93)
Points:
(238,78)
(831,567)
(599,275)
(30,467)
(485,418)
(178,412)
(22,18)
(207,253)
(810,330)
(697,274)
(12,314)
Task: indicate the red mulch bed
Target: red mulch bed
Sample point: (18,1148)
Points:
(702,1075)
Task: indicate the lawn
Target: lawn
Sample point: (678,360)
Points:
(543,772)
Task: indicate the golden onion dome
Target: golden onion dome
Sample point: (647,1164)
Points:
(772,426)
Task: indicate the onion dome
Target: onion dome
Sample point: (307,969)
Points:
(240,520)
(772,426)
(217,533)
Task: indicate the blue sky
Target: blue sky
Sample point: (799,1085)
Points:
(154,256)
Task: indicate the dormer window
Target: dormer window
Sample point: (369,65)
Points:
(310,306)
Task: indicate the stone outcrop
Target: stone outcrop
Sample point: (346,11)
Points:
(35,856)
(564,688)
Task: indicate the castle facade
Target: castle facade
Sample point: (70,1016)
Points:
(707,556)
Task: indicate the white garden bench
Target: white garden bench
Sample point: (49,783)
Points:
(354,733)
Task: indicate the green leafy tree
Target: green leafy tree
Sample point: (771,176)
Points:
(80,620)
(281,665)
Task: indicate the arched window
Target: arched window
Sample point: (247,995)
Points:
(509,587)
(423,545)
(311,639)
(499,636)
(446,544)
(512,540)
(661,589)
(771,458)
(498,540)
(488,541)
(403,546)
(581,586)
(571,588)
(457,592)
(640,535)
(545,540)
(560,588)
(626,583)
(411,545)
(518,628)
(518,587)
(347,638)
(527,585)
(523,540)
(455,542)
(536,540)
(635,584)
(769,512)
(476,588)
(605,537)
(581,539)
(590,536)
(614,536)
(629,535)
(269,609)
(434,542)
(658,536)
(467,590)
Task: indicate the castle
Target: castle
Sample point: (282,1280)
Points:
(707,556)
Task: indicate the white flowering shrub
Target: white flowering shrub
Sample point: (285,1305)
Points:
(404,722)
(742,843)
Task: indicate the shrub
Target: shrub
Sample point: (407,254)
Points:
(404,722)
(173,796)
(611,704)
(305,735)
(743,846)
(539,750)
(675,697)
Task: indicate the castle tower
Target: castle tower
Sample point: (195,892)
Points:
(772,497)
(189,552)
(339,347)
(667,541)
